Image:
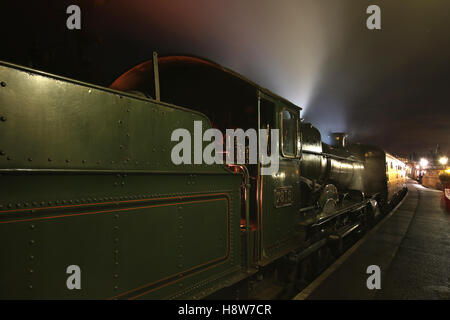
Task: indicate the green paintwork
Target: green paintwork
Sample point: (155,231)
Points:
(280,226)
(86,179)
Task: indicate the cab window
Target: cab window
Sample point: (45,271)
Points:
(289,133)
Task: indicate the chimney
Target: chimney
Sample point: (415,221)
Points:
(338,139)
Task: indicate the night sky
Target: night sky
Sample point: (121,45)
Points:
(389,87)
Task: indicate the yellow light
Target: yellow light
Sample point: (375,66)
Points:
(443,160)
(423,162)
(447,171)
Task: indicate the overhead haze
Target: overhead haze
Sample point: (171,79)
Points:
(387,87)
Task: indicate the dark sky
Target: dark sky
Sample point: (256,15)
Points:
(389,87)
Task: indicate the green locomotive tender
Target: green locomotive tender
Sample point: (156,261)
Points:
(86,180)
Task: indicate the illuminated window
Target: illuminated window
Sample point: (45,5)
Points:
(289,133)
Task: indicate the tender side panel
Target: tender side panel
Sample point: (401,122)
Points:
(124,249)
(36,253)
(55,123)
(86,179)
(176,249)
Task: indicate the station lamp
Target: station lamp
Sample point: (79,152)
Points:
(443,160)
(423,163)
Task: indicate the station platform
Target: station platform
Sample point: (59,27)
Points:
(411,246)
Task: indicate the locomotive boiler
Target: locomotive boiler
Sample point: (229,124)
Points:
(87,183)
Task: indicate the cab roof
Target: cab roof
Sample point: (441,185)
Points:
(144,72)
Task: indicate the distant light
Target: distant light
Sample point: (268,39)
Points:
(423,163)
(443,160)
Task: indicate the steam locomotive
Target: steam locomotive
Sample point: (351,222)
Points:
(92,207)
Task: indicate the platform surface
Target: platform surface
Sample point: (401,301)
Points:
(412,248)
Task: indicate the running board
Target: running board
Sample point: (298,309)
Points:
(344,232)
